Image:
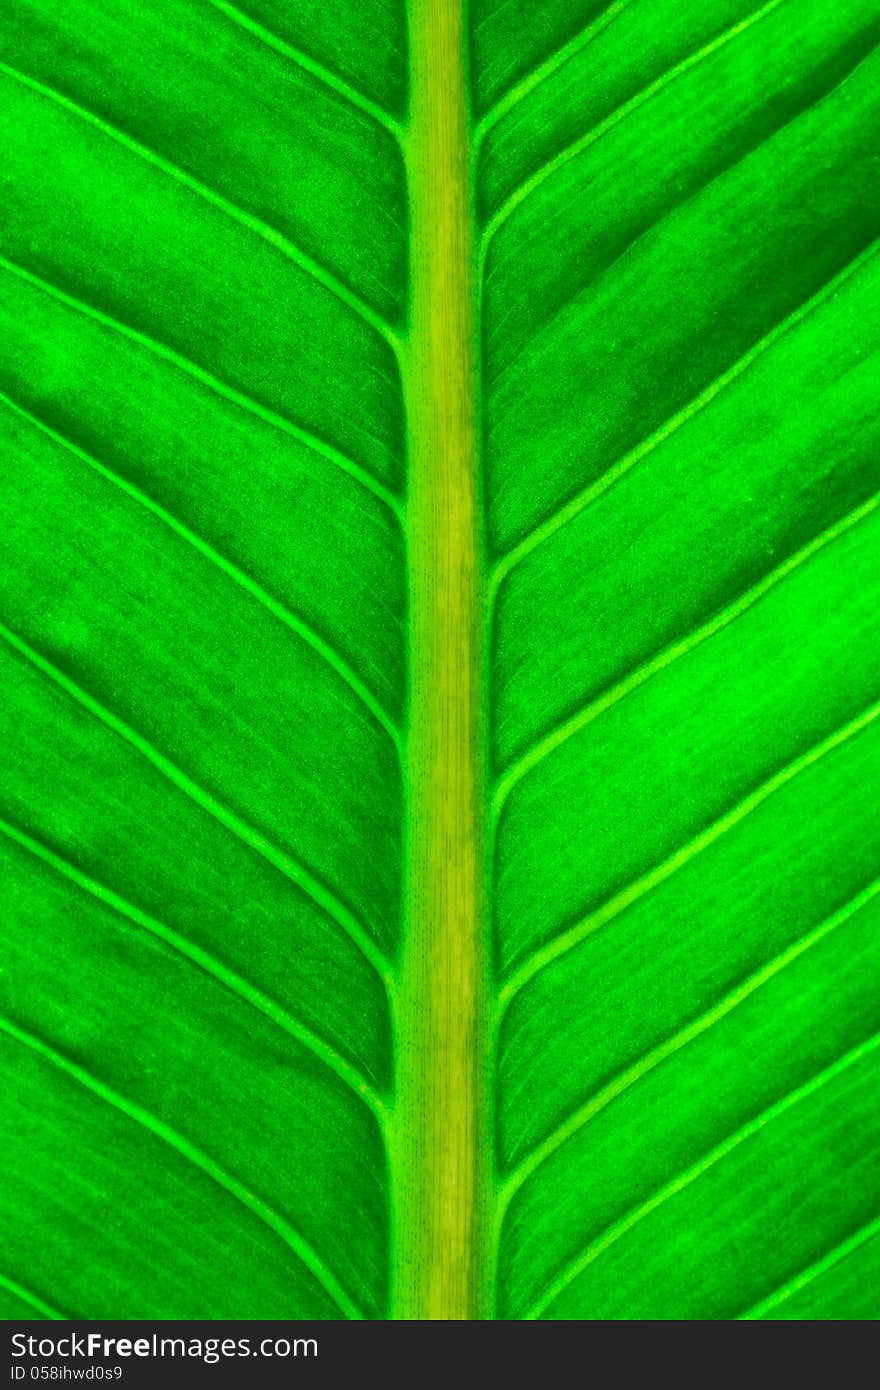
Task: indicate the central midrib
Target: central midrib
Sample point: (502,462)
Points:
(439,1141)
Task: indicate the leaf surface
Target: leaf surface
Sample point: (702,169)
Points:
(203,656)
(209,643)
(680,382)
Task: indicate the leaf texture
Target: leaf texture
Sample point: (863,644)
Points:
(206,641)
(202,608)
(680,291)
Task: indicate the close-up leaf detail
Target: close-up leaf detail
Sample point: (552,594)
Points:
(440,659)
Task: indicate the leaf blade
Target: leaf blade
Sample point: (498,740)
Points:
(661,206)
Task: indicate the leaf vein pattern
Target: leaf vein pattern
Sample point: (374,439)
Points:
(274,238)
(547,528)
(672,652)
(31,1299)
(530,81)
(813,1271)
(539,176)
(675,1041)
(233,571)
(276,1223)
(280,859)
(571,936)
(696,1170)
(220,388)
(810,108)
(338,84)
(203,960)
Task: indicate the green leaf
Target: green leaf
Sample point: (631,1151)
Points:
(439,602)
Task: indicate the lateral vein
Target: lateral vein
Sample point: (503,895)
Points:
(813,1271)
(317,70)
(237,984)
(32,1299)
(280,859)
(673,208)
(270,1218)
(672,1044)
(671,653)
(645,883)
(220,388)
(696,1170)
(584,499)
(311,267)
(577,147)
(299,626)
(546,68)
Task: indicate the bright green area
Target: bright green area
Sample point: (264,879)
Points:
(203,634)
